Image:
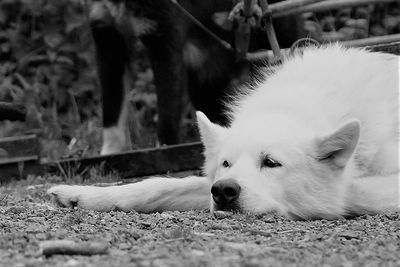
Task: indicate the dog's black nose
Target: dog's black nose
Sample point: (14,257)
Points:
(225,192)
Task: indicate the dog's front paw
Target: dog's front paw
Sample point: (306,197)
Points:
(64,195)
(87,197)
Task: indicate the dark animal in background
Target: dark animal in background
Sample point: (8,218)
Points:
(182,56)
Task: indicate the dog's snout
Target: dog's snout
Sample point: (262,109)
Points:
(225,192)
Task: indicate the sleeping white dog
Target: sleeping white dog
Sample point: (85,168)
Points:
(314,138)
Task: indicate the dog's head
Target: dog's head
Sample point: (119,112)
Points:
(277,163)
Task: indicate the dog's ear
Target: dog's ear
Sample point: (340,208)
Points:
(337,147)
(210,132)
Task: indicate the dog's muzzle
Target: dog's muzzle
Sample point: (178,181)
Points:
(225,194)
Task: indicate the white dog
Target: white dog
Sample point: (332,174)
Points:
(316,138)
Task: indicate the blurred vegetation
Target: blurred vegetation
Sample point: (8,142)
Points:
(47,64)
(355,23)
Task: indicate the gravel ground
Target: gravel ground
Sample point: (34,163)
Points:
(193,238)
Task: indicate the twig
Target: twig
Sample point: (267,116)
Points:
(225,44)
(62,170)
(373,40)
(75,109)
(178,239)
(291,4)
(70,247)
(278,11)
(260,232)
(108,184)
(269,29)
(3,199)
(204,234)
(22,60)
(292,230)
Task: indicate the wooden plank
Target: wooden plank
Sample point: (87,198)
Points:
(12,112)
(166,159)
(392,48)
(138,163)
(19,168)
(20,146)
(386,40)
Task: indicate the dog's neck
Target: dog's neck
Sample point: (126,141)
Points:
(374,194)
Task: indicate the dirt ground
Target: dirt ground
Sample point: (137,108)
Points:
(193,238)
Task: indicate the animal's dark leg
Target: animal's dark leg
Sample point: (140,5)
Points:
(112,58)
(165,54)
(213,74)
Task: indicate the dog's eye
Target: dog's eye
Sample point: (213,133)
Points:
(270,163)
(226,164)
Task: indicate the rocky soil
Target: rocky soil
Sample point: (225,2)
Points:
(193,238)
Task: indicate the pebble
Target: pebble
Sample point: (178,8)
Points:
(349,234)
(35,228)
(219,214)
(124,246)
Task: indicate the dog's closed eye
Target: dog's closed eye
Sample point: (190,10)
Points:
(268,162)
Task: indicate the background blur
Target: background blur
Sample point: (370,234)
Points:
(47,64)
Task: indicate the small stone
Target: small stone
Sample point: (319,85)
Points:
(35,228)
(235,245)
(219,214)
(349,234)
(124,246)
(41,236)
(260,232)
(15,210)
(72,263)
(145,224)
(198,253)
(61,233)
(167,216)
(35,219)
(220,227)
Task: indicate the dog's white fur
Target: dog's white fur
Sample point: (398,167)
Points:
(329,116)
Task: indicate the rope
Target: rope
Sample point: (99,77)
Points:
(223,43)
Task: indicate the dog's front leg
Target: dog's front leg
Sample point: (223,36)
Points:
(152,195)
